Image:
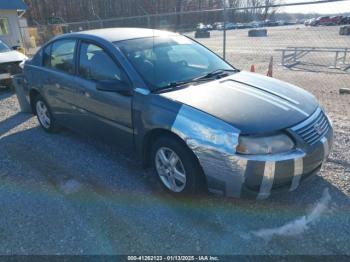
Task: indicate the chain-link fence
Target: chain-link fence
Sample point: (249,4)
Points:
(247,37)
(227,31)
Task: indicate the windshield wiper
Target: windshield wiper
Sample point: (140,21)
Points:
(216,73)
(204,78)
(173,85)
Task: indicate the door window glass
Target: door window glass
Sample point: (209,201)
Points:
(47,56)
(62,55)
(96,64)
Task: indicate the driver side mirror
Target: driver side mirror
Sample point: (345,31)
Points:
(117,86)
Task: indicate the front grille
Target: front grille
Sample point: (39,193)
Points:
(11,68)
(314,128)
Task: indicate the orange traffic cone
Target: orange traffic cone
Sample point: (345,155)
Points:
(252,69)
(270,70)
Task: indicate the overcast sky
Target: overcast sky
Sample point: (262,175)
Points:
(329,8)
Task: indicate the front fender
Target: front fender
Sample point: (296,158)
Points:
(212,140)
(214,143)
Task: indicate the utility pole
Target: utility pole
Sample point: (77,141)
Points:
(146,13)
(224,38)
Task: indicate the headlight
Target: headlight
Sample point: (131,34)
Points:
(249,145)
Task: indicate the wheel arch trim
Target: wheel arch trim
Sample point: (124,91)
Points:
(150,137)
(33,92)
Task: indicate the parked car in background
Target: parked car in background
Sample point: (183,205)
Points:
(271,23)
(256,24)
(345,20)
(218,26)
(281,22)
(300,21)
(293,22)
(210,27)
(241,26)
(201,26)
(202,31)
(322,20)
(326,21)
(334,20)
(197,120)
(231,26)
(10,61)
(310,22)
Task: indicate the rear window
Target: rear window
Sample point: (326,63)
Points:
(38,58)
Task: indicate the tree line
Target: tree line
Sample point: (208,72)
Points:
(66,11)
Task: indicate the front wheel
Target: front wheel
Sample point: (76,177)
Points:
(176,167)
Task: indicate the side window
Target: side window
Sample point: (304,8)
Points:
(62,55)
(38,58)
(96,64)
(4,26)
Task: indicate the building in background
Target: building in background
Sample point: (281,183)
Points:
(11,12)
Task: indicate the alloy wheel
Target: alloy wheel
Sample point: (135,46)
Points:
(43,114)
(170,169)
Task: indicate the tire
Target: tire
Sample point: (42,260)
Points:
(194,178)
(46,120)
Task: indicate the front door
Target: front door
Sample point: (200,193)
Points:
(107,115)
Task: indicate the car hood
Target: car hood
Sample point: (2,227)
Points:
(12,56)
(253,103)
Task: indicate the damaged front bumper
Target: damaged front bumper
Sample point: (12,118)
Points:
(264,175)
(234,175)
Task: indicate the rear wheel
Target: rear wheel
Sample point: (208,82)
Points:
(44,115)
(175,166)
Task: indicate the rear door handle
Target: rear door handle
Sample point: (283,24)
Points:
(83,92)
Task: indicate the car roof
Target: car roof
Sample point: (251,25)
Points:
(121,34)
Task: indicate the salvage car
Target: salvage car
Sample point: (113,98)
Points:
(10,64)
(202,31)
(197,120)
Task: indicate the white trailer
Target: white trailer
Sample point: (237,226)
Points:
(10,14)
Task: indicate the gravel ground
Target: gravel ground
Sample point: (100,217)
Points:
(64,194)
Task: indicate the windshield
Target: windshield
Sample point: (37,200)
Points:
(4,47)
(162,61)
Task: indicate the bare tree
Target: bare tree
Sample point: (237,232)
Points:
(260,9)
(269,10)
(87,10)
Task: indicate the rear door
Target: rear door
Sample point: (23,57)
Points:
(58,79)
(107,115)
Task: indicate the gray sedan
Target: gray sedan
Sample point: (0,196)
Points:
(200,123)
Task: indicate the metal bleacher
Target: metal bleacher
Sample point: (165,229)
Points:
(291,56)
